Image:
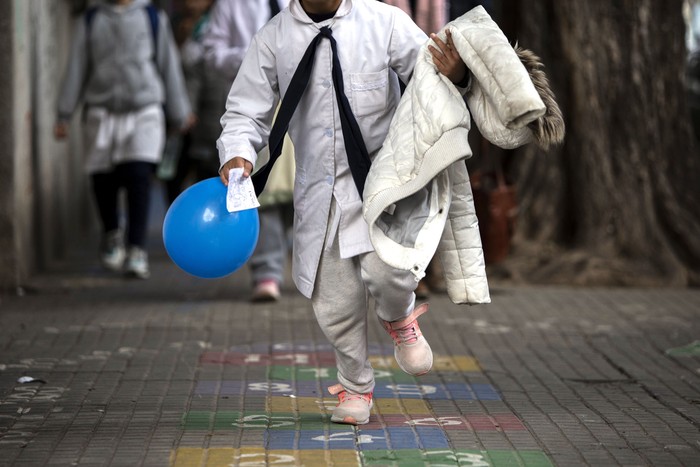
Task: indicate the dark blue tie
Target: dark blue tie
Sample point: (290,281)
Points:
(358,158)
(274,8)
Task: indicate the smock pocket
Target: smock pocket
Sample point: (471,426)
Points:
(369,92)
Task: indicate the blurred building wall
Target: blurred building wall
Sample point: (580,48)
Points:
(44,202)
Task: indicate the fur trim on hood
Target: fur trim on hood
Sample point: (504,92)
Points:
(549,129)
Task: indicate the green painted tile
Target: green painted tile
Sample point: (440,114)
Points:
(234,420)
(690,350)
(494,458)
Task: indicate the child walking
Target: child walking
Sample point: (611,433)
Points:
(336,64)
(124,66)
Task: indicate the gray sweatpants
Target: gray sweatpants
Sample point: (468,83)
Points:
(341,302)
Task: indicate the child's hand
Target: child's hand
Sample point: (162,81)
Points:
(447,60)
(235,163)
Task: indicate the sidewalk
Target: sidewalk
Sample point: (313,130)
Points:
(179,371)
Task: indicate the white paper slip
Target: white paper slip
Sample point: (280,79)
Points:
(241,193)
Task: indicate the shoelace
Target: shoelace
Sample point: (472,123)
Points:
(407,334)
(344,396)
(347,396)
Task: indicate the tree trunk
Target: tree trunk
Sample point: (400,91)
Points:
(617,203)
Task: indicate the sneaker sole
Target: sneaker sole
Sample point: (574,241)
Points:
(349,420)
(265,298)
(114,267)
(136,275)
(415,374)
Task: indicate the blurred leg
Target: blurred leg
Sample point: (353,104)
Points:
(137,178)
(269,258)
(105,187)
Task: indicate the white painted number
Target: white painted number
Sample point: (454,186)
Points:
(412,389)
(272,387)
(263,421)
(348,436)
(441,421)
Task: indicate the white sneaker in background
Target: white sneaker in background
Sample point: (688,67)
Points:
(137,263)
(113,252)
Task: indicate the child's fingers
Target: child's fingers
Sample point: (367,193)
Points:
(452,50)
(442,46)
(450,42)
(438,59)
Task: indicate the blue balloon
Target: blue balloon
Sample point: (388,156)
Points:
(202,237)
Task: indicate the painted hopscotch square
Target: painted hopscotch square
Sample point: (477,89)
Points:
(383,439)
(470,422)
(329,375)
(235,420)
(441,363)
(326,359)
(257,388)
(315,359)
(282,404)
(450,391)
(448,457)
(217,457)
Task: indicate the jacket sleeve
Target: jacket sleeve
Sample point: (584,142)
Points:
(75,75)
(228,37)
(406,42)
(177,102)
(502,97)
(250,105)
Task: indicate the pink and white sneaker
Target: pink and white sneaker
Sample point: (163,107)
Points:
(411,350)
(353,409)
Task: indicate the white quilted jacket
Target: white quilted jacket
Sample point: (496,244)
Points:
(417,197)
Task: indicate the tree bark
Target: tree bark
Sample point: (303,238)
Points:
(617,203)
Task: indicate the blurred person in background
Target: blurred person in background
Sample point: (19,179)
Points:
(193,156)
(124,67)
(231,28)
(429,15)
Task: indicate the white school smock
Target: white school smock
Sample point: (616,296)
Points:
(377,45)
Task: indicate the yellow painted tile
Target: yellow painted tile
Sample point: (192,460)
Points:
(384,406)
(404,406)
(382,361)
(187,457)
(281,405)
(339,458)
(258,456)
(221,457)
